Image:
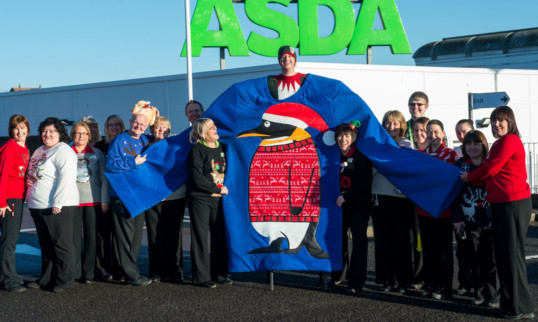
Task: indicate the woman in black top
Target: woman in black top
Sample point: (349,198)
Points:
(355,200)
(205,188)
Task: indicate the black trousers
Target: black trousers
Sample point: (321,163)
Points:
(206,215)
(10,227)
(481,260)
(55,233)
(463,253)
(510,222)
(164,223)
(391,220)
(355,258)
(128,232)
(107,260)
(438,253)
(85,221)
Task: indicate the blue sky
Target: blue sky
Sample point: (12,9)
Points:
(68,42)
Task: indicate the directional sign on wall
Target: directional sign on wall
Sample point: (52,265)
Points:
(484,100)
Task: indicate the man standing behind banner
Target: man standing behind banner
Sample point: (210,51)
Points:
(193,110)
(124,154)
(289,81)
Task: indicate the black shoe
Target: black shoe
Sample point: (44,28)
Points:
(462,290)
(32,284)
(519,316)
(16,289)
(353,290)
(426,294)
(140,281)
(156,279)
(209,284)
(104,278)
(86,281)
(227,281)
(61,288)
(119,278)
(177,280)
(494,304)
(386,288)
(478,301)
(400,290)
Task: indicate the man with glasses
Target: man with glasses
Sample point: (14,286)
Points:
(418,104)
(125,154)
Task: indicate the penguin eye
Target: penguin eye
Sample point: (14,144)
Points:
(267,124)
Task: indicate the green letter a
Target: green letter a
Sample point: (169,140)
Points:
(229,36)
(393,35)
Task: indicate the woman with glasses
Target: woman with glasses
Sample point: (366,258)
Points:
(94,198)
(53,198)
(107,262)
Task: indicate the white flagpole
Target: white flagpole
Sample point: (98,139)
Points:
(189,57)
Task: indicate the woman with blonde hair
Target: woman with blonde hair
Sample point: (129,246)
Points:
(164,222)
(107,262)
(391,218)
(205,188)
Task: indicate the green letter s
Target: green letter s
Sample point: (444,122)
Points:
(284,25)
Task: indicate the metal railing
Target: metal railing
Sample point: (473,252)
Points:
(531,149)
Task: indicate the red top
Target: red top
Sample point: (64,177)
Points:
(448,155)
(504,171)
(13,163)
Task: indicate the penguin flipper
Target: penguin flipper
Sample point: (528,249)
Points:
(274,247)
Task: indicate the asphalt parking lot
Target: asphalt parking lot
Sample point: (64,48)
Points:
(296,296)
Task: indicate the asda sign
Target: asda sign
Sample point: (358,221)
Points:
(356,36)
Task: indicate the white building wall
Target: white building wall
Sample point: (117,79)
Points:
(382,87)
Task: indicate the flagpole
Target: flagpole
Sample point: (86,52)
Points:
(189,57)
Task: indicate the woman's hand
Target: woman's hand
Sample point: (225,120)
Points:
(223,190)
(463,177)
(104,206)
(56,211)
(3,211)
(140,159)
(458,225)
(340,201)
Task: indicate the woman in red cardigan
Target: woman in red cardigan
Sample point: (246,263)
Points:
(505,175)
(14,158)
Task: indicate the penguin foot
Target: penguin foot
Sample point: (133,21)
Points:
(311,244)
(274,247)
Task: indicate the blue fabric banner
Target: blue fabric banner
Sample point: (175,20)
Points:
(286,218)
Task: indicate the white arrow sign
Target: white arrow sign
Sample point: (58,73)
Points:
(483,100)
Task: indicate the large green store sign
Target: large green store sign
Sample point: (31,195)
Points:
(355,35)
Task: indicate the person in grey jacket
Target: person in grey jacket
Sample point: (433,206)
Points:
(94,198)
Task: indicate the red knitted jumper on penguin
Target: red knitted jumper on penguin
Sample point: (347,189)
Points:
(282,171)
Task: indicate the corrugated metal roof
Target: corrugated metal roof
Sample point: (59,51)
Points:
(504,41)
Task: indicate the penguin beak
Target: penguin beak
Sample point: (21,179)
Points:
(274,133)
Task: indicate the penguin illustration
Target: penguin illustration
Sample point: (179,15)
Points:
(284,180)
